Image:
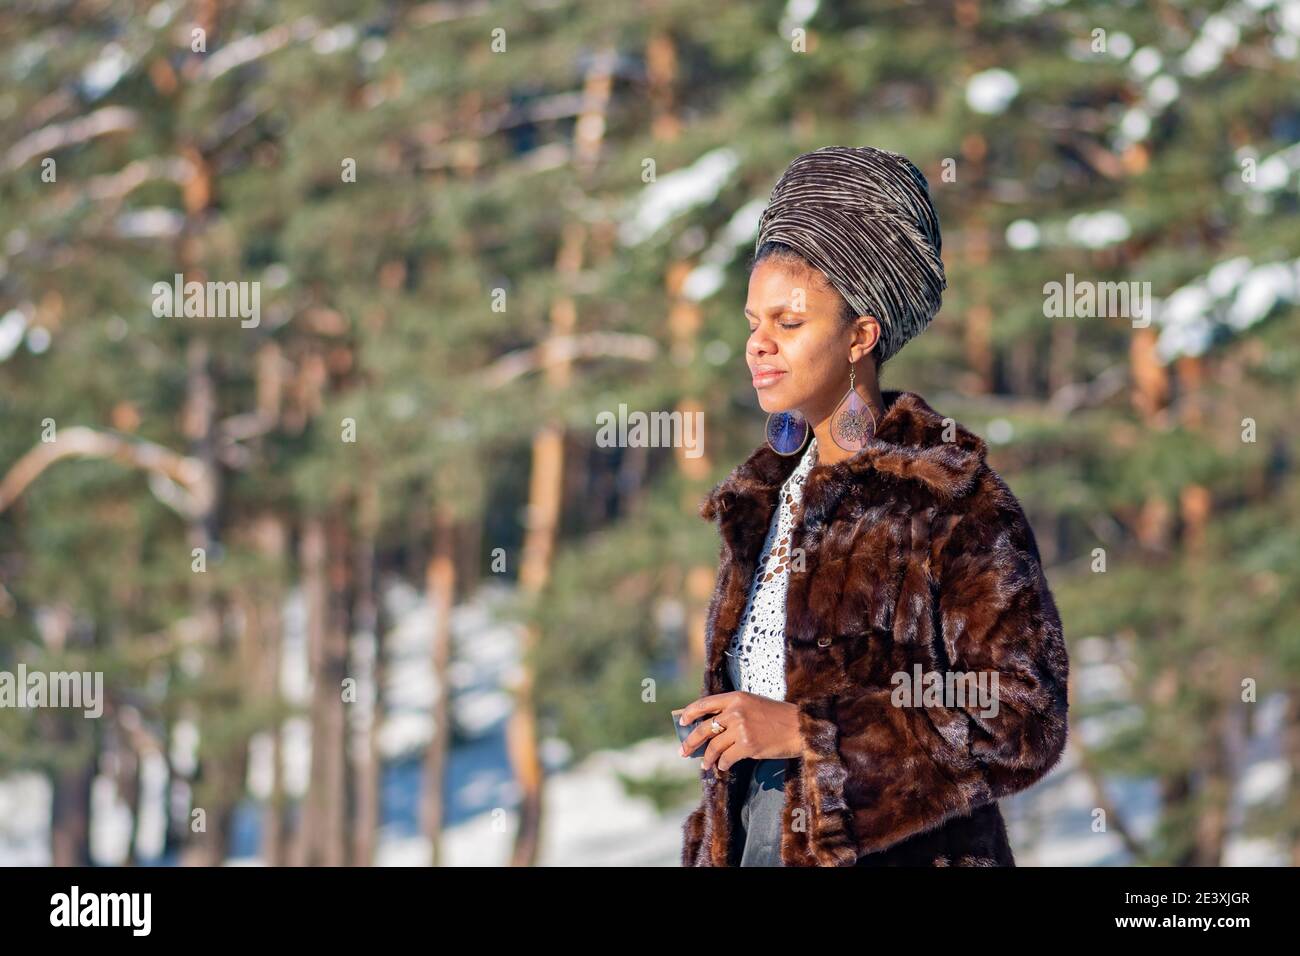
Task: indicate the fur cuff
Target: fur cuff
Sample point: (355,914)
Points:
(830,829)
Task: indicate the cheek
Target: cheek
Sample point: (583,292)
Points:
(812,366)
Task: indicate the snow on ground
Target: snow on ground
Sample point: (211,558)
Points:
(24,820)
(589,819)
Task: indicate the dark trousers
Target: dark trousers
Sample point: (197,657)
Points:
(760,815)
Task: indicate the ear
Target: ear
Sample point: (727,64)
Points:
(866,337)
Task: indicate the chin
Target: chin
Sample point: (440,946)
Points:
(770,402)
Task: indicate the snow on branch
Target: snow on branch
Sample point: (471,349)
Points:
(102,122)
(250,48)
(166,467)
(565,348)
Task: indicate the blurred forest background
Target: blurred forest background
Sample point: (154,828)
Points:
(478,225)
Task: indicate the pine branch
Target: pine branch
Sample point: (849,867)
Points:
(247,49)
(566,348)
(102,122)
(177,473)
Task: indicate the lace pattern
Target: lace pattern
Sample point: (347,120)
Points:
(756,656)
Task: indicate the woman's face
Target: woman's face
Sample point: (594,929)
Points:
(799,347)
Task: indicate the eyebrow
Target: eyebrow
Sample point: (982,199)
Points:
(774,310)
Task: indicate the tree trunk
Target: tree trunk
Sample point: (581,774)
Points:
(368,710)
(978,245)
(70,815)
(547,480)
(1175,800)
(208,846)
(441,586)
(684,325)
(1115,821)
(1291,744)
(198,419)
(332,847)
(270,541)
(1150,377)
(320,837)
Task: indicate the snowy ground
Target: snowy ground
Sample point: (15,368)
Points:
(590,820)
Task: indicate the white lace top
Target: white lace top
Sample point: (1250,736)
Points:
(756,656)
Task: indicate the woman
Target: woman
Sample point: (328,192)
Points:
(884,656)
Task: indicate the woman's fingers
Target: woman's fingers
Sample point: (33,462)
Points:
(709,704)
(718,749)
(724,708)
(700,735)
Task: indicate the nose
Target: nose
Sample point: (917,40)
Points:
(760,344)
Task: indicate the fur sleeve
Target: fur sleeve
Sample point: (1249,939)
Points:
(882,771)
(693,837)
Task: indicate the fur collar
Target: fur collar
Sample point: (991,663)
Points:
(908,445)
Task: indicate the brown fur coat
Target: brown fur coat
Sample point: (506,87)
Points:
(915,553)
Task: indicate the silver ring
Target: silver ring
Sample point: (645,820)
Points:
(716,727)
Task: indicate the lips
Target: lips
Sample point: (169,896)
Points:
(767,377)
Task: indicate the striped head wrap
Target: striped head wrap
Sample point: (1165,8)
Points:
(863,216)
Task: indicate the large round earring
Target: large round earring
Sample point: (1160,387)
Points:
(852,422)
(787,432)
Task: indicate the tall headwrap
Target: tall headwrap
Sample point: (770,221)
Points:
(863,216)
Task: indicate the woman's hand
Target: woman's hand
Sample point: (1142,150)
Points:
(753,726)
